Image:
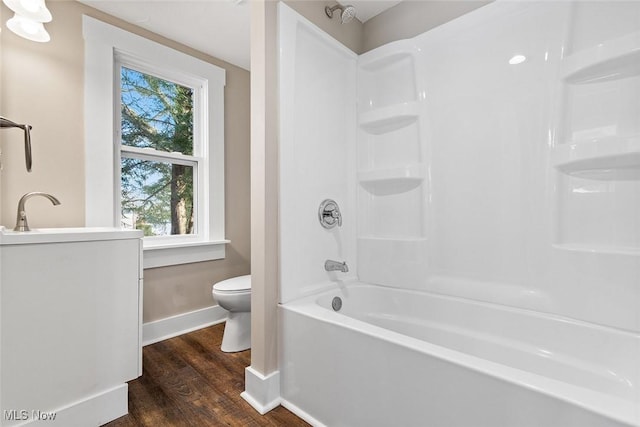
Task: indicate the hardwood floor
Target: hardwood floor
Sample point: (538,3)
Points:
(188,381)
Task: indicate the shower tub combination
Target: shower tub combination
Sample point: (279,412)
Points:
(490,221)
(410,358)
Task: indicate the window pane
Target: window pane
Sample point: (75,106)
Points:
(157,197)
(156,113)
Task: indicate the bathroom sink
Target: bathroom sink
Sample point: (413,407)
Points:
(71,302)
(72,234)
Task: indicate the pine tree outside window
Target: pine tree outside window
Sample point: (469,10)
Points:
(157,153)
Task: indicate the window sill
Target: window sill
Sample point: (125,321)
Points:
(162,255)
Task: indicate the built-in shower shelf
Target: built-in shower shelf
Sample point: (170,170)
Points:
(597,249)
(612,158)
(399,239)
(614,59)
(387,55)
(388,119)
(392,181)
(413,172)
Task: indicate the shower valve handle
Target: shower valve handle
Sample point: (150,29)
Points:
(329,214)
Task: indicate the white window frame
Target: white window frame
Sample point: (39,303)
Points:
(107,48)
(200,146)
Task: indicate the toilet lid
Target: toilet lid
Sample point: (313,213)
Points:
(240,283)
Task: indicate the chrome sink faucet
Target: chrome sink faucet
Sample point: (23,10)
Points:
(6,123)
(331,265)
(21,220)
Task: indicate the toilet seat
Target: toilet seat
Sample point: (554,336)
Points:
(219,292)
(234,285)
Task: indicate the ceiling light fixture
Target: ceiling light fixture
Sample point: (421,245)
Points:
(28,19)
(35,10)
(28,29)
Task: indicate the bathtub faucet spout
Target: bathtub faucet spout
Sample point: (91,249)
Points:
(331,265)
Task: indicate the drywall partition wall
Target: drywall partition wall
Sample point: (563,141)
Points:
(317,154)
(264,195)
(523,139)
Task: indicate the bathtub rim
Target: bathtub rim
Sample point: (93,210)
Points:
(614,408)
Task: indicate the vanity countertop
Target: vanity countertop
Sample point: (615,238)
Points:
(62,235)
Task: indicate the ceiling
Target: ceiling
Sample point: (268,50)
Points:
(219,28)
(367,9)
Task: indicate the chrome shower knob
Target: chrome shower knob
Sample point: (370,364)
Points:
(329,214)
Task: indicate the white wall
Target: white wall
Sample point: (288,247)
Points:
(516,184)
(317,154)
(533,194)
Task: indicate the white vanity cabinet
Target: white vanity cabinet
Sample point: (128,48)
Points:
(70,324)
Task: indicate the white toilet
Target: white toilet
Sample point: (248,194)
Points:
(234,295)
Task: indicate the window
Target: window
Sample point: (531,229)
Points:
(158,154)
(154,145)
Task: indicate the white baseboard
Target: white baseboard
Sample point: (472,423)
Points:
(302,414)
(94,410)
(263,393)
(173,326)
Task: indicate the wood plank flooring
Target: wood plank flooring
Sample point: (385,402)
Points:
(188,381)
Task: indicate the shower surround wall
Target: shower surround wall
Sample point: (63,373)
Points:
(474,176)
(515,184)
(317,153)
(522,212)
(393,189)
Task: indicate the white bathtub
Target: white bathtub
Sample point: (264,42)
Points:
(392,357)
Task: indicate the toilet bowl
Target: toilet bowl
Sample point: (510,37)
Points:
(234,295)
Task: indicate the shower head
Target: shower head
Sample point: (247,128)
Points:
(347,13)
